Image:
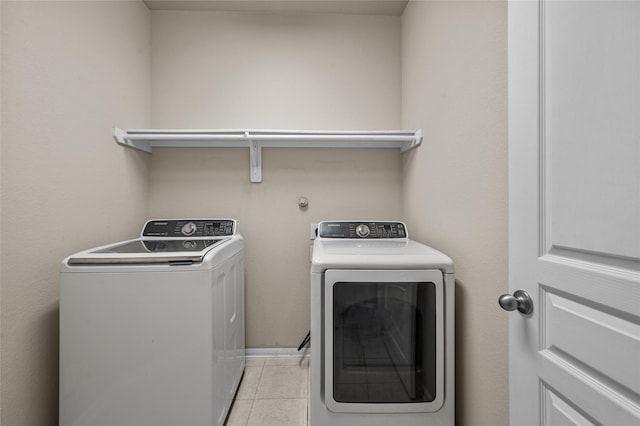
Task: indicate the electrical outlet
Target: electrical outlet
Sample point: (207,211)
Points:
(313,231)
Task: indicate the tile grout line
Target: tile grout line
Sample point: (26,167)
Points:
(253,399)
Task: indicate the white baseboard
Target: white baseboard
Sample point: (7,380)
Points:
(276,352)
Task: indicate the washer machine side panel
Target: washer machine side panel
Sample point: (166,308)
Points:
(229,337)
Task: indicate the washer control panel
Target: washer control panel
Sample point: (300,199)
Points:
(362,230)
(192,228)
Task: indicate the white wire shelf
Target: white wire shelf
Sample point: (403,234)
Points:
(255,140)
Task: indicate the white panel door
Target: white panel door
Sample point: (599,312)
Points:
(574,201)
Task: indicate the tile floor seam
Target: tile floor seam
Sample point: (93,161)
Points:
(249,415)
(255,394)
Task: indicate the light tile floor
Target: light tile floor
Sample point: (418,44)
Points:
(273,391)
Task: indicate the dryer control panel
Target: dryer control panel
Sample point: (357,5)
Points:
(362,230)
(191,228)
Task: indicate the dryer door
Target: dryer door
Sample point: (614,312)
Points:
(384,341)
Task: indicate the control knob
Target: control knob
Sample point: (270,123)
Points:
(189,245)
(363,231)
(189,228)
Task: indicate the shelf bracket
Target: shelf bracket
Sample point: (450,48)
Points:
(255,159)
(121,136)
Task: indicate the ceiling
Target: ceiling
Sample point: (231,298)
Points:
(350,7)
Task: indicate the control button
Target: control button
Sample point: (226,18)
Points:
(189,245)
(363,231)
(189,228)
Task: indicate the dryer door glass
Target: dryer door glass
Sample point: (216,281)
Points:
(384,342)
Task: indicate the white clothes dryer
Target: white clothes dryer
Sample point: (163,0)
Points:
(152,329)
(382,328)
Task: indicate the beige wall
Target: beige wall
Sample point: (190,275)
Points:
(239,70)
(70,72)
(454,61)
(226,70)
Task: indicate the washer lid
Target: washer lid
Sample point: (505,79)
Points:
(148,251)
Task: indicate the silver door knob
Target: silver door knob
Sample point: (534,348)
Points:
(520,301)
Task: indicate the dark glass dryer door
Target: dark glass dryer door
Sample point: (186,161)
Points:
(383,340)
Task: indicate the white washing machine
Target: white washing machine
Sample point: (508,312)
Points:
(152,329)
(382,328)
